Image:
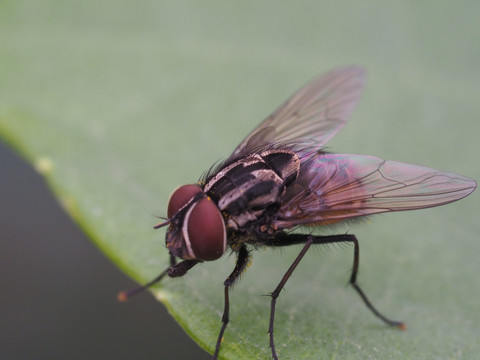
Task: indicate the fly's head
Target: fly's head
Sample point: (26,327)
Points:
(196,228)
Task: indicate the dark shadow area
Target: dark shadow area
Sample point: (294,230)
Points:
(58,292)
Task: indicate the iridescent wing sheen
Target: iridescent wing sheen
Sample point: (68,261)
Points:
(335,187)
(311,116)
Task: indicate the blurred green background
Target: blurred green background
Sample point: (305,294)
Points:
(117,103)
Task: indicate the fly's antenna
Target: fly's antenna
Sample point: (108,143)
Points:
(159,225)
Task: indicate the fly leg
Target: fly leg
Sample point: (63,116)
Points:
(242,261)
(308,240)
(174,270)
(353,282)
(279,288)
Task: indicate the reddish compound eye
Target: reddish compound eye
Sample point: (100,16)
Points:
(181,197)
(206,230)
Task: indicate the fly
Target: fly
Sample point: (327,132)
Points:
(279,178)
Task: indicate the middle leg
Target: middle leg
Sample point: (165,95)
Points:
(308,240)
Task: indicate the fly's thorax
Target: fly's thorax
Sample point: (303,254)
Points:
(197,228)
(246,188)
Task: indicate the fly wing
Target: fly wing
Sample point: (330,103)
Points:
(311,116)
(335,187)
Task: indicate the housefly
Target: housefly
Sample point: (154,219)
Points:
(280,178)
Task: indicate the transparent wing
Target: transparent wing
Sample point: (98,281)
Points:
(311,116)
(336,187)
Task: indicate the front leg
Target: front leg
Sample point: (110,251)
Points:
(180,269)
(242,262)
(174,270)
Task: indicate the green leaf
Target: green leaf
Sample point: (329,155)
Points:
(117,103)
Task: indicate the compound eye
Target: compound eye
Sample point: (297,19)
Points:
(206,231)
(181,197)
